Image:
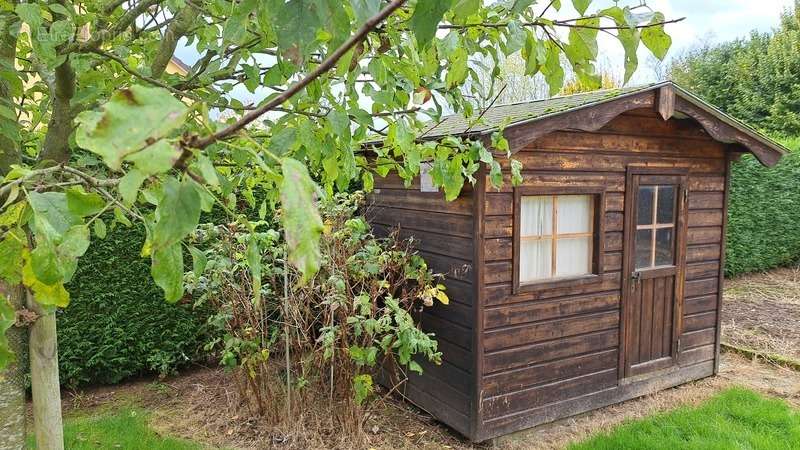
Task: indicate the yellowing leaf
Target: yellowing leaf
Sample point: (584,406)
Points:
(44,294)
(7,319)
(131,120)
(301,220)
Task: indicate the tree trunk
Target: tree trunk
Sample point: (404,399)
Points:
(45,385)
(12,380)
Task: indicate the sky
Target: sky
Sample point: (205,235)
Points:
(714,20)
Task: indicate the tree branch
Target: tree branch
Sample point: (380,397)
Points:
(56,141)
(181,24)
(326,65)
(558,23)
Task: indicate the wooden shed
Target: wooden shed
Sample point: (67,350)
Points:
(595,281)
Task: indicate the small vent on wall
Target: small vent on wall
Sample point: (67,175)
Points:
(426,181)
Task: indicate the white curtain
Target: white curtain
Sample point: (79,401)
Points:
(536,220)
(573,257)
(537,216)
(535,260)
(573,254)
(574,214)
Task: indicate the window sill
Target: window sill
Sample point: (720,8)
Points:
(553,283)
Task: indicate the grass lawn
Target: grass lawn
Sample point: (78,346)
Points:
(125,428)
(735,419)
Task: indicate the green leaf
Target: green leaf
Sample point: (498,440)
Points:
(99,228)
(301,220)
(516,37)
(583,41)
(177,214)
(465,8)
(8,317)
(457,69)
(630,43)
(52,216)
(365,9)
(129,186)
(367,181)
(82,203)
(11,248)
(425,19)
(31,14)
(199,260)
(516,172)
(495,175)
(76,242)
(520,5)
(581,5)
(453,179)
(362,387)
(254,262)
(45,264)
(340,122)
(167,271)
(235,29)
(296,23)
(131,120)
(552,70)
(156,159)
(415,367)
(655,39)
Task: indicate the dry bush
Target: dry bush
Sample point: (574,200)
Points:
(309,353)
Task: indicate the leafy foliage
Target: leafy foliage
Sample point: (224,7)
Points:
(157,148)
(763,230)
(756,80)
(118,325)
(343,324)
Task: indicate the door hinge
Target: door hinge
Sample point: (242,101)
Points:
(679,345)
(685,195)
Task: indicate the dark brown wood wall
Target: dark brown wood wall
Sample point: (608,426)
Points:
(547,348)
(444,236)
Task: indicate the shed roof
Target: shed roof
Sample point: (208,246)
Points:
(719,125)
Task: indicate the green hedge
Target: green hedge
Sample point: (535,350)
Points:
(764,215)
(118,324)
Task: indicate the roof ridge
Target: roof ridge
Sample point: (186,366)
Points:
(576,94)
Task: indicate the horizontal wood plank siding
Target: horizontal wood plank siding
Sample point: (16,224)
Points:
(554,350)
(442,233)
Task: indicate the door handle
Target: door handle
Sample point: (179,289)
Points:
(636,278)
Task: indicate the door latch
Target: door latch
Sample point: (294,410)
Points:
(636,278)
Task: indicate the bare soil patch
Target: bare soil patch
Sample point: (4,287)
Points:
(762,312)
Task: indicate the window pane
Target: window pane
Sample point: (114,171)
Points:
(574,214)
(665,247)
(535,260)
(645,205)
(536,216)
(573,257)
(644,247)
(666,204)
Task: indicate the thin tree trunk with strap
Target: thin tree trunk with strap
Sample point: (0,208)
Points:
(12,379)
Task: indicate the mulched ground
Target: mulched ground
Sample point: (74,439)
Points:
(761,312)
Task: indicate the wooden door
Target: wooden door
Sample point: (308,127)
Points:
(653,269)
